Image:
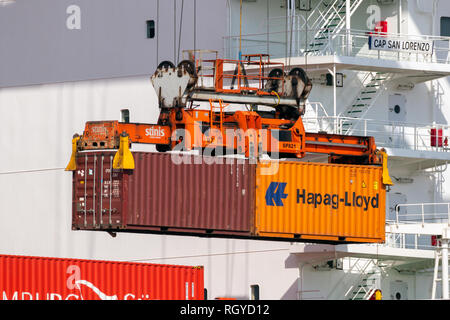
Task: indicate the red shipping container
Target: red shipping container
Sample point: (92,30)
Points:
(164,196)
(40,278)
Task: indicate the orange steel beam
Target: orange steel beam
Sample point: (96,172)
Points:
(334,144)
(146,133)
(104,135)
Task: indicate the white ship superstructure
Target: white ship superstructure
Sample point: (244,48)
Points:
(389,60)
(395,91)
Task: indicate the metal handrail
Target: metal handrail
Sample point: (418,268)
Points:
(338,44)
(389,134)
(357,32)
(400,240)
(315,107)
(428,217)
(241,78)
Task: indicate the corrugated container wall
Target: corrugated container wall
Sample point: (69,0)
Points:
(321,201)
(301,201)
(39,278)
(161,194)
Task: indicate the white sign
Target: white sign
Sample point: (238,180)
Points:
(393,44)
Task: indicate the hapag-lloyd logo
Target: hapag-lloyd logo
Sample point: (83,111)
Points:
(77,285)
(275,194)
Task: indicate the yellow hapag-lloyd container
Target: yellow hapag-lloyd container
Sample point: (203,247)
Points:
(320,201)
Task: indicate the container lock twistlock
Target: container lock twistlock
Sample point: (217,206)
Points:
(72,166)
(123,159)
(385,176)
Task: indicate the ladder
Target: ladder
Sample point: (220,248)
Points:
(365,285)
(365,289)
(329,19)
(360,287)
(373,84)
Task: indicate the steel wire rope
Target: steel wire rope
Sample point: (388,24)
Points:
(195,26)
(209,255)
(179,34)
(240,31)
(306,42)
(174,30)
(31,170)
(291,32)
(285,36)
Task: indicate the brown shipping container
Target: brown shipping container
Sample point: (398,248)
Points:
(299,202)
(160,195)
(317,201)
(41,278)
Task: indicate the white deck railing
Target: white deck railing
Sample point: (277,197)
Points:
(419,214)
(422,213)
(354,43)
(387,134)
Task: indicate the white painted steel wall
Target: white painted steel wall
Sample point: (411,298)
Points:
(35,207)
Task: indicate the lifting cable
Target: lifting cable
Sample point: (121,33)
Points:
(209,255)
(175,30)
(306,42)
(240,31)
(31,170)
(195,25)
(267,29)
(285,36)
(179,34)
(157,32)
(291,31)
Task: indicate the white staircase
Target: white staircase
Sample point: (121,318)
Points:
(365,289)
(368,281)
(373,85)
(361,287)
(328,19)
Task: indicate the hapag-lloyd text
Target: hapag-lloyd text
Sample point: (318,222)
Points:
(333,200)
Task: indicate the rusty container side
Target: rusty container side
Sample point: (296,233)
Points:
(317,201)
(97,192)
(41,278)
(160,194)
(208,197)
